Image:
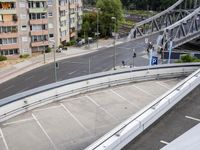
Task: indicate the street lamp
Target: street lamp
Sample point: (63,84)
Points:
(98,9)
(54,58)
(115,48)
(43,16)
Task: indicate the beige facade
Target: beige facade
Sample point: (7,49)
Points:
(28,26)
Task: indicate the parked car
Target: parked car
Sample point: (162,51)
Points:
(59,50)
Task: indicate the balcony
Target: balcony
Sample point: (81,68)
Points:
(8,23)
(72,34)
(72,6)
(37,10)
(63,28)
(63,7)
(9,35)
(8,11)
(38,21)
(63,18)
(9,46)
(40,43)
(39,32)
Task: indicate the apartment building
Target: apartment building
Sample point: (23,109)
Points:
(28,26)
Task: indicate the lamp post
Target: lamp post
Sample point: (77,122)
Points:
(43,16)
(98,9)
(115,48)
(54,59)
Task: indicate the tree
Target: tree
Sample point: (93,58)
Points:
(109,9)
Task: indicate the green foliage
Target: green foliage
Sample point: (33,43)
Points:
(48,50)
(109,9)
(188,58)
(70,43)
(3,58)
(24,56)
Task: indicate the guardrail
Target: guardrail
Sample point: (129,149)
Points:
(19,103)
(132,127)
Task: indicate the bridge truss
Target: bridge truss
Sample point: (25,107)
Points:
(159,22)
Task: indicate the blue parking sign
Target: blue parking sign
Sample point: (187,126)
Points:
(154,60)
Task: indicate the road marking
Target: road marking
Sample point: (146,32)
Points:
(48,108)
(9,87)
(73,62)
(124,98)
(19,121)
(164,142)
(99,106)
(76,119)
(4,140)
(29,78)
(43,79)
(41,127)
(72,72)
(162,84)
(192,118)
(143,91)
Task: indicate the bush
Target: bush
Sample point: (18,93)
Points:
(48,50)
(3,58)
(24,56)
(188,58)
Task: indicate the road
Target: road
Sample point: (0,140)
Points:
(101,60)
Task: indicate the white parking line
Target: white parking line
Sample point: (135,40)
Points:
(4,140)
(42,109)
(163,85)
(192,118)
(99,106)
(41,127)
(164,142)
(19,121)
(143,91)
(124,99)
(67,110)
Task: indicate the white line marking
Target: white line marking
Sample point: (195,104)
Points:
(43,79)
(9,87)
(19,121)
(72,72)
(164,142)
(54,146)
(43,109)
(192,118)
(163,85)
(124,99)
(143,91)
(76,119)
(4,140)
(93,101)
(29,78)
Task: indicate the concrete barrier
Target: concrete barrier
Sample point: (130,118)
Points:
(19,103)
(128,130)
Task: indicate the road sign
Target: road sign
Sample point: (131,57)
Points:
(154,60)
(146,40)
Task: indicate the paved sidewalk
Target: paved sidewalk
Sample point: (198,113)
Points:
(12,71)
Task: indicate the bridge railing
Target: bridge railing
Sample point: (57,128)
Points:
(132,127)
(19,103)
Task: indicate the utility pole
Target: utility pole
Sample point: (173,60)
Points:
(115,48)
(98,9)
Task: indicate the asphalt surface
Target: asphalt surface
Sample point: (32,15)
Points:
(101,60)
(177,121)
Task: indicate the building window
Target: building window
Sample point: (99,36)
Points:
(24,27)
